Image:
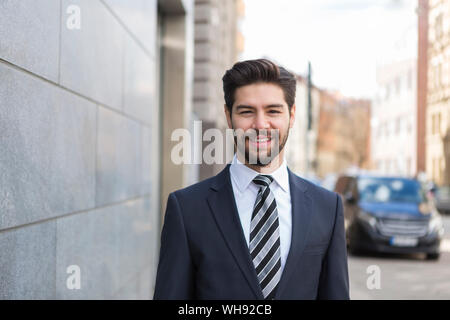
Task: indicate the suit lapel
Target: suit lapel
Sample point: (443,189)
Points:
(301,216)
(223,206)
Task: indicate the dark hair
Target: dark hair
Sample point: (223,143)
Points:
(254,71)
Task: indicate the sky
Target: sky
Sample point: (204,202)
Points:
(345,40)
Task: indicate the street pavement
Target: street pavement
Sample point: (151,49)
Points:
(401,276)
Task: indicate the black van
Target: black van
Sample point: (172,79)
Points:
(389,214)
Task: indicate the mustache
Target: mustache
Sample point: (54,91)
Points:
(257,132)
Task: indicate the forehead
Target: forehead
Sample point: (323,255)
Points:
(259,95)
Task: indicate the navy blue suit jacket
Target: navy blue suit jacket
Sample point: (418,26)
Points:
(204,254)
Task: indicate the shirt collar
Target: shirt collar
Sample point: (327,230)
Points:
(244,175)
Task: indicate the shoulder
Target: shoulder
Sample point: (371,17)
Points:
(194,191)
(315,192)
(193,202)
(201,190)
(326,205)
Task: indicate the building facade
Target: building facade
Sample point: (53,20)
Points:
(301,146)
(438,97)
(394,119)
(218,45)
(343,138)
(90,91)
(338,137)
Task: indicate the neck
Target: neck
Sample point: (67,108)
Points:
(266,169)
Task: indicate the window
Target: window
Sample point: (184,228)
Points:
(433,129)
(433,124)
(435,169)
(439,26)
(398,83)
(410,79)
(398,125)
(376,190)
(438,124)
(438,76)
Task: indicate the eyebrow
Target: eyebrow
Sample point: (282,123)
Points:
(242,106)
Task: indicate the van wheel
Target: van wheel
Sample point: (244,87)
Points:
(354,251)
(433,256)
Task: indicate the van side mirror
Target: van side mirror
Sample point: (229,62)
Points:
(349,197)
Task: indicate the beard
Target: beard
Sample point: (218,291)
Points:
(257,156)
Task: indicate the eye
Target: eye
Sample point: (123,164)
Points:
(243,112)
(274,111)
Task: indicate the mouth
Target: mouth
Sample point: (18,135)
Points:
(260,141)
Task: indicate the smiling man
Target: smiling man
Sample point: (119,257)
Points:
(256,230)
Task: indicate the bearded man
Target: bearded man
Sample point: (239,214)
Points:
(256,230)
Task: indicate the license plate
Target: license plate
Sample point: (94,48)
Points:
(404,241)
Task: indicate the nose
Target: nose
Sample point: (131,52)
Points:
(260,121)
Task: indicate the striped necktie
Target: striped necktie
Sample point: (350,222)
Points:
(265,238)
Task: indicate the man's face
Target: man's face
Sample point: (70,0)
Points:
(262,115)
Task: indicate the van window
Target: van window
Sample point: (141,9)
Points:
(390,190)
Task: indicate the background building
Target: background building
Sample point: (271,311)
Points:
(301,146)
(438,98)
(343,140)
(422,83)
(90,90)
(338,137)
(218,44)
(394,119)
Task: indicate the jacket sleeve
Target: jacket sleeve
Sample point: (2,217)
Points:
(175,274)
(334,283)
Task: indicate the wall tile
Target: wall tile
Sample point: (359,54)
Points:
(47,163)
(140,82)
(88,240)
(140,18)
(148,154)
(92,57)
(111,246)
(118,158)
(29,35)
(27,262)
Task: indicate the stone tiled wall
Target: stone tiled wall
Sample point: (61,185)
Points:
(76,132)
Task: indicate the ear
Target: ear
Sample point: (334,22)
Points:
(292,116)
(228,115)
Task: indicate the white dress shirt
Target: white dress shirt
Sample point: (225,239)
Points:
(245,192)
